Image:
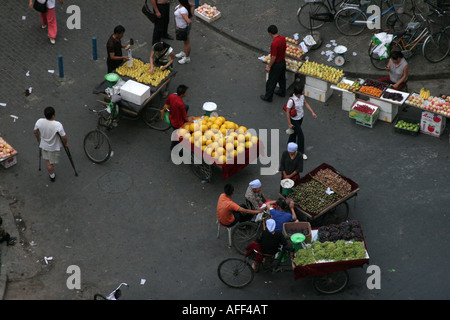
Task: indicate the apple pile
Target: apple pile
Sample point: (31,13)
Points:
(408,125)
(292,41)
(5,149)
(294,51)
(439,106)
(434,104)
(207,10)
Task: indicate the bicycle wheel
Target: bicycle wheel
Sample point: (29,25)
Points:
(99,296)
(350,21)
(97,146)
(331,282)
(398,21)
(235,272)
(201,170)
(436,47)
(377,61)
(243,234)
(312,9)
(152,118)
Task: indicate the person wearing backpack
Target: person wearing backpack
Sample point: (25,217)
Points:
(295,119)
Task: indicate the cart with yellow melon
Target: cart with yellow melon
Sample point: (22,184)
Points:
(214,141)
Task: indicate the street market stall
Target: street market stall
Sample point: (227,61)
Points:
(323,254)
(321,191)
(130,93)
(217,142)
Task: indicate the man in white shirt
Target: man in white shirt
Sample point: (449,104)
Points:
(46,131)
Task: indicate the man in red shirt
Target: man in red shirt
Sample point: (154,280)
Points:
(177,110)
(277,66)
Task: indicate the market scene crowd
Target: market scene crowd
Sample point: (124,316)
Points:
(214,137)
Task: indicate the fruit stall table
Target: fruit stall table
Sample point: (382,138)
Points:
(321,191)
(379,94)
(236,147)
(329,271)
(8,155)
(435,111)
(318,79)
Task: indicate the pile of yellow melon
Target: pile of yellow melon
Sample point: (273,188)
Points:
(221,139)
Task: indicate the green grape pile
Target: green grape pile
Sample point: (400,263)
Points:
(330,251)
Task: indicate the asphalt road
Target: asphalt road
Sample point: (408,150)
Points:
(138,216)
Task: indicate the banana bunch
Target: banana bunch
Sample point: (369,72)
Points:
(424,94)
(140,72)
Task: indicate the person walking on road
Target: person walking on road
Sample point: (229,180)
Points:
(277,66)
(162,11)
(183,14)
(297,101)
(114,49)
(46,131)
(48,19)
(177,110)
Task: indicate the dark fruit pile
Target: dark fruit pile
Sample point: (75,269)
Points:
(393,96)
(376,84)
(347,230)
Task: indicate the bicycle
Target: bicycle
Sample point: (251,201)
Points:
(244,233)
(238,272)
(115,295)
(96,144)
(352,20)
(435,46)
(314,13)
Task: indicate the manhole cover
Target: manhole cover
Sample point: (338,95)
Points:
(115,182)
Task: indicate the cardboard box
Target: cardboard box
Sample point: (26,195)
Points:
(205,18)
(135,92)
(361,118)
(317,94)
(432,124)
(317,83)
(9,162)
(348,98)
(289,228)
(388,117)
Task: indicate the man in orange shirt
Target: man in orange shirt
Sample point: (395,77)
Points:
(230,213)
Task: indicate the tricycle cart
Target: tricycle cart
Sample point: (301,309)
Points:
(96,142)
(202,163)
(334,212)
(328,277)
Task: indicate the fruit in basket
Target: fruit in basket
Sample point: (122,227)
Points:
(407,125)
(207,10)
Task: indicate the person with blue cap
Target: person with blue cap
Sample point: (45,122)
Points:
(291,163)
(254,198)
(271,241)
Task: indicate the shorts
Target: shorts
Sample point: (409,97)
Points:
(51,156)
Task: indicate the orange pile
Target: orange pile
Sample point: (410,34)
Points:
(371,90)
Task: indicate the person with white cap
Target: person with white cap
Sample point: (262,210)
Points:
(291,163)
(254,198)
(297,101)
(271,241)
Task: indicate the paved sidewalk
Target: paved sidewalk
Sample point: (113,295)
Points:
(246,22)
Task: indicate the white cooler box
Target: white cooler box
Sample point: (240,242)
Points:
(135,92)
